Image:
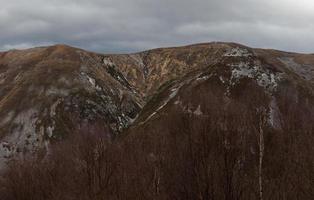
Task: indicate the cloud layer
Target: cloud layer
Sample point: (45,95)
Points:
(134,25)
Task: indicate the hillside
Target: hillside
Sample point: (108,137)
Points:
(215,112)
(49,91)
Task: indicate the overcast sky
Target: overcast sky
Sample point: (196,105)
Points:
(134,25)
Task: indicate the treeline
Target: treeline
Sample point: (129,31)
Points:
(229,152)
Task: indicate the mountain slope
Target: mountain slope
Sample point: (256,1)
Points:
(49,92)
(241,128)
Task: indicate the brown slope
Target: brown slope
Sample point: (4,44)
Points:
(239,129)
(49,91)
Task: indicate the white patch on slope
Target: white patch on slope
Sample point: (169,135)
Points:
(52,114)
(203,78)
(89,79)
(50,130)
(178,102)
(198,111)
(222,79)
(23,138)
(57,91)
(54,107)
(273,117)
(108,62)
(238,52)
(187,109)
(264,78)
(173,93)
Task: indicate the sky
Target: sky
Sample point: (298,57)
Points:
(123,26)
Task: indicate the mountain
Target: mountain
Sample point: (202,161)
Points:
(236,72)
(240,127)
(242,117)
(47,92)
(50,91)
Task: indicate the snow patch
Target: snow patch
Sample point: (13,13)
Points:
(91,80)
(238,52)
(222,79)
(198,111)
(177,102)
(188,109)
(174,92)
(264,78)
(203,78)
(26,122)
(57,91)
(108,62)
(23,139)
(54,107)
(50,130)
(98,88)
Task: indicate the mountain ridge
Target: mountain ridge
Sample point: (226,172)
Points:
(158,48)
(48,92)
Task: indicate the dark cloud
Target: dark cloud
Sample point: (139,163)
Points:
(133,25)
